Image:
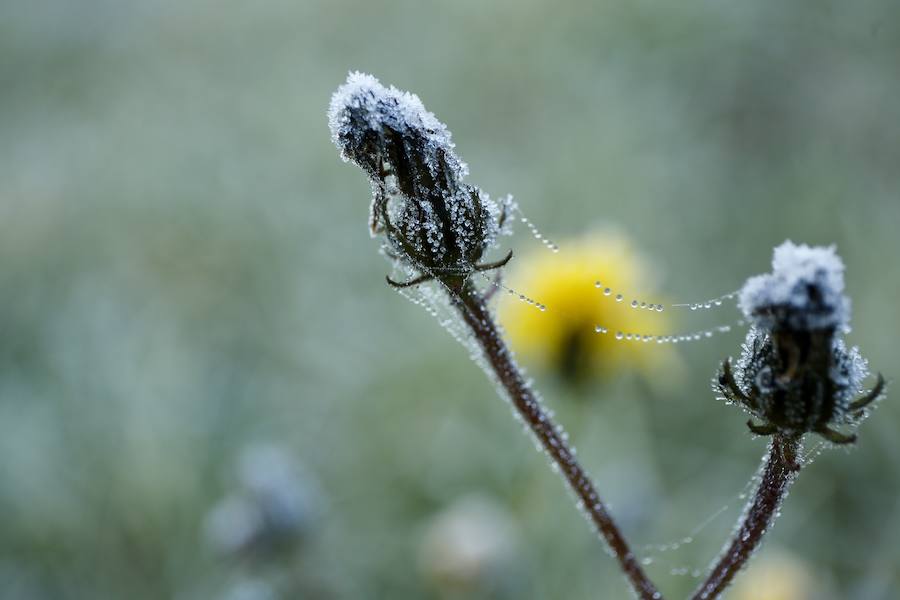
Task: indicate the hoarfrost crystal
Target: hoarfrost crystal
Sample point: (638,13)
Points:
(805,290)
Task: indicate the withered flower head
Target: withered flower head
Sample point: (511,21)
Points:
(795,373)
(432,221)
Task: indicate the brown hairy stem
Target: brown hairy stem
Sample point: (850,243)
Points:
(474,310)
(780,471)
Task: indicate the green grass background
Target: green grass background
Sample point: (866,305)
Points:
(185,269)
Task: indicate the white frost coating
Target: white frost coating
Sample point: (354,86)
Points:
(848,371)
(755,376)
(803,291)
(750,350)
(430,217)
(385,107)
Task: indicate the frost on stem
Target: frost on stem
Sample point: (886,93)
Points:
(795,373)
(434,223)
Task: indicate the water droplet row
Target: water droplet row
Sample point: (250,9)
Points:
(707,304)
(667,339)
(521,297)
(420,302)
(636,304)
(537,234)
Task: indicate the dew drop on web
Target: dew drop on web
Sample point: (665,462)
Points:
(658,307)
(535,233)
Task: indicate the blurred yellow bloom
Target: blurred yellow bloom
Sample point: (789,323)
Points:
(775,577)
(563,338)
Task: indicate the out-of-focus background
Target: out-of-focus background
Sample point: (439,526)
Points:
(207,390)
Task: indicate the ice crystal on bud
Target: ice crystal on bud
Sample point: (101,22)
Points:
(432,220)
(795,373)
(804,291)
(363,113)
(847,372)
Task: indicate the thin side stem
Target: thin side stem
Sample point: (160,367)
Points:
(474,311)
(781,468)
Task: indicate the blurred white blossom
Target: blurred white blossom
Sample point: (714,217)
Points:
(250,589)
(776,576)
(471,548)
(276,504)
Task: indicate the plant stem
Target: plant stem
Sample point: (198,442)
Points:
(474,310)
(780,471)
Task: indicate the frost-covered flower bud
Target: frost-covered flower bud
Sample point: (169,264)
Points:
(795,373)
(433,221)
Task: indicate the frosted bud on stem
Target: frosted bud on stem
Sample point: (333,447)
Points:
(432,220)
(795,375)
(440,227)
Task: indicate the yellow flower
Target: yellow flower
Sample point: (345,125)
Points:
(563,338)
